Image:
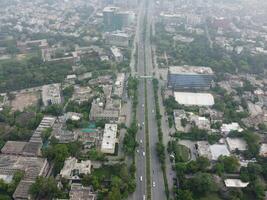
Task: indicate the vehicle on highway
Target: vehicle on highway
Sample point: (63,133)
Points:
(137,150)
(143,123)
(154,184)
(141,141)
(152,111)
(144,197)
(144,153)
(143,105)
(141,178)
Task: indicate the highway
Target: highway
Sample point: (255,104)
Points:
(145,68)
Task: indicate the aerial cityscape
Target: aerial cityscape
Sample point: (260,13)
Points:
(133,99)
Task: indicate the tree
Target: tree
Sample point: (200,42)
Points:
(44,188)
(230,163)
(114,194)
(202,184)
(184,195)
(202,163)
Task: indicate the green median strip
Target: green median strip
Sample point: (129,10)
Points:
(148,178)
(160,145)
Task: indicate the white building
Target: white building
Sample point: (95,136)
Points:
(109,138)
(116,53)
(51,94)
(218,150)
(227,128)
(235,183)
(197,99)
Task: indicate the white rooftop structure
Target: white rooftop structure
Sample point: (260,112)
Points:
(235,183)
(263,150)
(236,143)
(109,138)
(72,168)
(190,70)
(197,99)
(218,150)
(227,128)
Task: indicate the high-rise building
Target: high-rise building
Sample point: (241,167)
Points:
(189,77)
(115,19)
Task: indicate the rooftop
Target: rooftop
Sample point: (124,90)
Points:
(72,168)
(198,99)
(235,183)
(109,138)
(218,150)
(13,147)
(236,143)
(190,70)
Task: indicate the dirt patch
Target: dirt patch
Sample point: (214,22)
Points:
(24,100)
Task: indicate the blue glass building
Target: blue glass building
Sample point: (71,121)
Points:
(189,77)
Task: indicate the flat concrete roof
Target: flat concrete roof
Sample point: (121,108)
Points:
(236,143)
(197,99)
(218,150)
(109,138)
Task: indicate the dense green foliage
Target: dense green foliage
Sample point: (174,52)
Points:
(7,189)
(32,72)
(112,182)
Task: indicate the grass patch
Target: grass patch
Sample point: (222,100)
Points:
(182,151)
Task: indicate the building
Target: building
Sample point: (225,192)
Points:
(82,94)
(109,139)
(218,150)
(33,147)
(90,137)
(178,115)
(119,85)
(51,94)
(72,169)
(203,149)
(78,192)
(194,99)
(31,166)
(189,77)
(236,144)
(109,18)
(116,19)
(13,147)
(104,111)
(116,54)
(235,183)
(263,150)
(227,128)
(118,38)
(200,122)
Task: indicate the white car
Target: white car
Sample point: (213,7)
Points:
(144,197)
(144,153)
(143,105)
(154,184)
(152,111)
(137,151)
(143,123)
(141,141)
(141,178)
